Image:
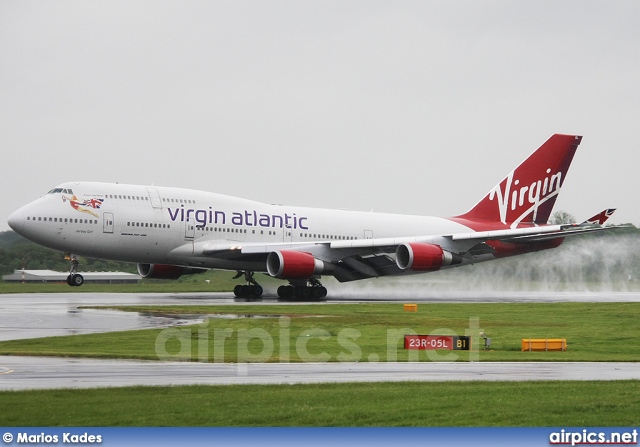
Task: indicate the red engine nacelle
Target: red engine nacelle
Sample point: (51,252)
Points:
(164,271)
(288,264)
(421,257)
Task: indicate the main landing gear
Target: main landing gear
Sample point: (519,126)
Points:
(251,290)
(74,279)
(312,291)
(300,290)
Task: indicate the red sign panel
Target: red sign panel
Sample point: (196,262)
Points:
(436,342)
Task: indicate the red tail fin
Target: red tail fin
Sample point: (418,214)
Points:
(528,193)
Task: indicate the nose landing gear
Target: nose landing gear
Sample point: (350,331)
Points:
(74,279)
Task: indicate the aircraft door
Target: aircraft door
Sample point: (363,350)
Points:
(189,229)
(368,234)
(107,222)
(155,198)
(287,234)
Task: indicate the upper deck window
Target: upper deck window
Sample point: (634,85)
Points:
(60,191)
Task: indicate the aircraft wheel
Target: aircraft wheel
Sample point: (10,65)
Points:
(309,293)
(69,280)
(248,291)
(285,292)
(77,280)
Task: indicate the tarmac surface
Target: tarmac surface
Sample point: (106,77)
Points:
(38,372)
(39,315)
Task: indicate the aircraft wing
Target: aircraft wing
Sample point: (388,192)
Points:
(567,230)
(454,242)
(368,258)
(590,225)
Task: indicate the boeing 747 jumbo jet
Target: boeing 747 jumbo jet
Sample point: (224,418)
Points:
(171,232)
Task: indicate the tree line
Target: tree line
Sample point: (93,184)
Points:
(17,253)
(595,257)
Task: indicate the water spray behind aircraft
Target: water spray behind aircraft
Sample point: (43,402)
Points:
(610,263)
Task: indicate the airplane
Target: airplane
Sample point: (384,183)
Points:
(171,232)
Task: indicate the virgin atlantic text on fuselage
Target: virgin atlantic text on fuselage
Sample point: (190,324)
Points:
(247,218)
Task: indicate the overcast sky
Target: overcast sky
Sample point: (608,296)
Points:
(416,107)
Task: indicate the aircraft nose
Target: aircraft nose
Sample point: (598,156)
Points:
(16,221)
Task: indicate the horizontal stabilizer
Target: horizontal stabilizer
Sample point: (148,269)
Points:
(600,218)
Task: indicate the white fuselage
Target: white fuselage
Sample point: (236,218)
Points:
(150,224)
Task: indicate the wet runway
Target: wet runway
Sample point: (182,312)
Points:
(32,372)
(40,315)
(33,315)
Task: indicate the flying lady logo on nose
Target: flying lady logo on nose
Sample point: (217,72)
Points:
(82,206)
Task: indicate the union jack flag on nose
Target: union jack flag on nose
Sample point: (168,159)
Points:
(94,203)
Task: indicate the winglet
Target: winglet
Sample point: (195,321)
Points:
(600,218)
(527,194)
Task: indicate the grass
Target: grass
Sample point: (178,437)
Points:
(364,404)
(219,281)
(595,331)
(359,332)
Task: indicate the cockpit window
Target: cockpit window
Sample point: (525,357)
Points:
(60,190)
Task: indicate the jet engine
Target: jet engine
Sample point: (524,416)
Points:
(164,271)
(289,264)
(419,256)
